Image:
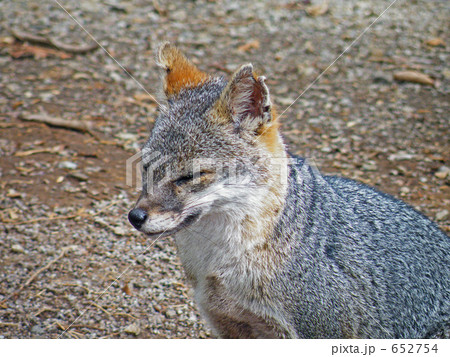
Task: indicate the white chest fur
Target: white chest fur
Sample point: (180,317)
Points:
(214,246)
(209,245)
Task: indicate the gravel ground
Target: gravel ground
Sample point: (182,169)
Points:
(68,255)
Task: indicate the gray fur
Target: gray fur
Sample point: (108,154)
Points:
(365,264)
(320,257)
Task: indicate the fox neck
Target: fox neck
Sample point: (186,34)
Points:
(241,235)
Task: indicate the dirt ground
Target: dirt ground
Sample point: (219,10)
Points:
(69,258)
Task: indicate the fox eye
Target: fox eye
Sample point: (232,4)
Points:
(188,178)
(184,179)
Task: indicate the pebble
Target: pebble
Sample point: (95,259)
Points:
(37,330)
(404,190)
(156,319)
(13,193)
(446,73)
(370,166)
(80,176)
(441,215)
(170,313)
(442,172)
(120,231)
(70,165)
(133,329)
(285,101)
(92,169)
(17,248)
(400,155)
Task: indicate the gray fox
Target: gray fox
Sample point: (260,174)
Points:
(272,248)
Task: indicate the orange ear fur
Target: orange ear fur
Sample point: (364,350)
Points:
(181,73)
(269,136)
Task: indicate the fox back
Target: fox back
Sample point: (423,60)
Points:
(272,248)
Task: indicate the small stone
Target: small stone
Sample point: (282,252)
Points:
(404,190)
(309,47)
(441,215)
(346,102)
(71,298)
(394,172)
(115,77)
(17,248)
(192,317)
(155,320)
(305,71)
(37,329)
(446,73)
(67,165)
(92,169)
(170,313)
(120,231)
(127,136)
(133,329)
(370,166)
(286,101)
(77,249)
(400,155)
(443,172)
(12,193)
(79,176)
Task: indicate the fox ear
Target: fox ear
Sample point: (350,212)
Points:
(245,100)
(180,72)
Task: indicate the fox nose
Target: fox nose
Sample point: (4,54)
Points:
(137,217)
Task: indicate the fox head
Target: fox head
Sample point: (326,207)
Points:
(211,150)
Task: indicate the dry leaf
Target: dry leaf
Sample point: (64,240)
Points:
(80,75)
(413,76)
(55,149)
(23,50)
(443,172)
(17,104)
(317,9)
(12,193)
(24,36)
(126,289)
(437,41)
(248,46)
(13,214)
(58,122)
(7,40)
